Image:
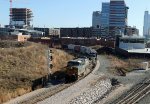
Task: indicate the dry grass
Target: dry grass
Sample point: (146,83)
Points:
(126,65)
(60,59)
(18,67)
(8,94)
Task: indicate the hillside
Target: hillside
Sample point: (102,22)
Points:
(60,59)
(21,63)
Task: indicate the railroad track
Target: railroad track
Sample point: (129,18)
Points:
(50,92)
(135,94)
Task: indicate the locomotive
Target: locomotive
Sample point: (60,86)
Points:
(80,66)
(76,68)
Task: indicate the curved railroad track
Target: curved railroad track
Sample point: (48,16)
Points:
(51,91)
(134,95)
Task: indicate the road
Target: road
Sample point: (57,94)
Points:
(104,65)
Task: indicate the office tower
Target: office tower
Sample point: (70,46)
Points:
(146,28)
(96,19)
(105,18)
(117,17)
(21,17)
(105,14)
(96,24)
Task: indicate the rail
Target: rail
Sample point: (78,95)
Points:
(51,92)
(135,94)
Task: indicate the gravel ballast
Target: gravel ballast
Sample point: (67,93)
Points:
(93,94)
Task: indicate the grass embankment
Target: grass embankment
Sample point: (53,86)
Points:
(60,59)
(120,65)
(123,65)
(21,63)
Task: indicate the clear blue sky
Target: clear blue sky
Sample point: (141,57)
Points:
(71,13)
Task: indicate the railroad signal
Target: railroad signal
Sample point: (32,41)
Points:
(50,66)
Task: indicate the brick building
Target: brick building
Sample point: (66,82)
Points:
(76,32)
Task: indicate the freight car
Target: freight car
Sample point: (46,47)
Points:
(76,68)
(86,51)
(71,46)
(80,49)
(77,48)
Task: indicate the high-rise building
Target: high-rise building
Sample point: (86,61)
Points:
(96,19)
(105,18)
(117,17)
(146,27)
(105,14)
(96,23)
(21,17)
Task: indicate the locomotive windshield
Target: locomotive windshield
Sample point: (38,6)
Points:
(71,63)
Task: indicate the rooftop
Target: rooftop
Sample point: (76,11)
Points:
(132,37)
(146,50)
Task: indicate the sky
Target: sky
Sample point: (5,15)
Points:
(71,13)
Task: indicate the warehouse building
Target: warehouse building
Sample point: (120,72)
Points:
(76,32)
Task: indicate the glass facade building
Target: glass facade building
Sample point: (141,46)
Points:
(96,22)
(146,28)
(105,14)
(112,19)
(105,18)
(118,16)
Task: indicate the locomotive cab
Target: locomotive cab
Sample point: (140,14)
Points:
(75,68)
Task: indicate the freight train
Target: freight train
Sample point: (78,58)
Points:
(86,51)
(80,66)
